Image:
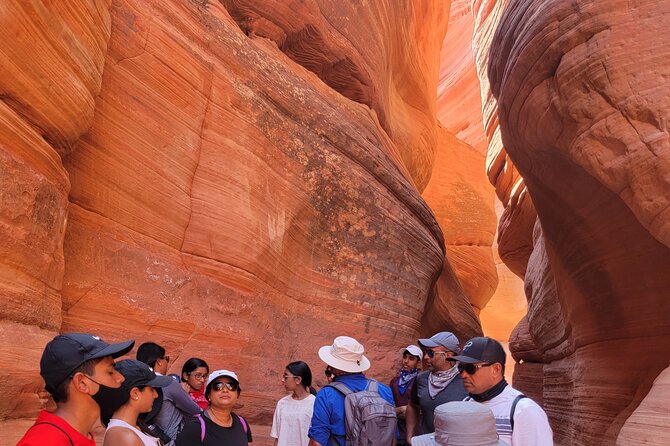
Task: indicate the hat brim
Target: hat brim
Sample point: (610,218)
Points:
(403,350)
(340,364)
(160,381)
(210,381)
(428,343)
(465,359)
(424,440)
(115,350)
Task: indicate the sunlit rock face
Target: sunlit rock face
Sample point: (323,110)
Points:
(459,104)
(227,182)
(50,71)
(229,202)
(462,201)
(583,97)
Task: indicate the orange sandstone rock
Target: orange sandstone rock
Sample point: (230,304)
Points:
(582,95)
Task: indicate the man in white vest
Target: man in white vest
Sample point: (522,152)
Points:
(519,420)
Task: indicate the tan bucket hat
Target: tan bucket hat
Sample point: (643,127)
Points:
(345,354)
(462,423)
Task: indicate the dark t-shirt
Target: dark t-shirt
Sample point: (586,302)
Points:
(401,399)
(215,435)
(421,398)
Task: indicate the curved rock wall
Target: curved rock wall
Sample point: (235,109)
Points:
(233,184)
(582,90)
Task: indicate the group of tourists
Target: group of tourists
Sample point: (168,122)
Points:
(460,398)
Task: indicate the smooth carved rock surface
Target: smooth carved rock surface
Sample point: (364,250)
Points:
(182,177)
(650,423)
(459,109)
(462,201)
(458,92)
(50,71)
(357,51)
(583,90)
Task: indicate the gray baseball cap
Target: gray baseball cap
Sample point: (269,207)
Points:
(444,339)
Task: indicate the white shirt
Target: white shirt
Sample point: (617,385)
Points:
(290,423)
(147,440)
(531,426)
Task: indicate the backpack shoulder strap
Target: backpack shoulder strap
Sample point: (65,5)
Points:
(373,386)
(244,424)
(513,408)
(341,387)
(57,427)
(202,427)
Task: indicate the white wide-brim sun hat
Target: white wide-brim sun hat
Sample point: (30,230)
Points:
(345,354)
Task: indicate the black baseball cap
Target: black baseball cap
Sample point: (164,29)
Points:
(139,374)
(64,353)
(481,349)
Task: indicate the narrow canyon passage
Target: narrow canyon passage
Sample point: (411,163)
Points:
(244,180)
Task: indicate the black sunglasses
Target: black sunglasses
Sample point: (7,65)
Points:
(328,372)
(166,358)
(219,386)
(470,369)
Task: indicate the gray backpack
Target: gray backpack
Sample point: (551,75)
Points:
(370,419)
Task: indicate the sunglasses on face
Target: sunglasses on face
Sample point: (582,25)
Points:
(285,377)
(470,369)
(432,353)
(166,358)
(220,385)
(197,375)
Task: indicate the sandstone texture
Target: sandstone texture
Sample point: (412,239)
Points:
(238,181)
(582,92)
(462,201)
(458,92)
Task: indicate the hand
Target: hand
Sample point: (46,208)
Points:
(400,412)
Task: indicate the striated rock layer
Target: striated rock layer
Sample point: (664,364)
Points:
(462,202)
(238,183)
(583,96)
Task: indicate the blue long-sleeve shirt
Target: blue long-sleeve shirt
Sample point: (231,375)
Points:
(328,418)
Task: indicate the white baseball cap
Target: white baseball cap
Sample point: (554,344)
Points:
(219,373)
(412,350)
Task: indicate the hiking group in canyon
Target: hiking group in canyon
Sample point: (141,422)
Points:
(460,398)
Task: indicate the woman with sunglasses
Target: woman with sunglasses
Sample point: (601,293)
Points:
(135,396)
(218,425)
(293,414)
(193,375)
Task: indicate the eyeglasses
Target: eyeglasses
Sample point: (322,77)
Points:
(470,369)
(328,372)
(432,353)
(220,385)
(166,358)
(197,375)
(285,377)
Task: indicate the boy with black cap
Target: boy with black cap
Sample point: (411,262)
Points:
(75,367)
(519,420)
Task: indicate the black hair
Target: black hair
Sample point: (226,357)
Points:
(60,393)
(193,364)
(301,369)
(149,353)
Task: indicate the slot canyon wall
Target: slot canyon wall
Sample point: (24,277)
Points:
(580,160)
(236,180)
